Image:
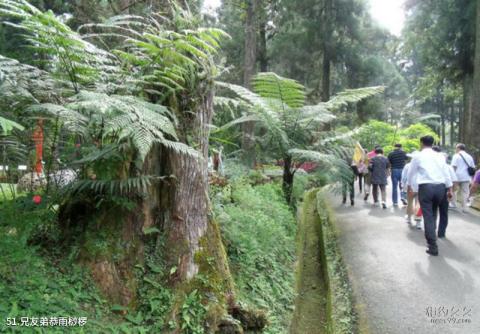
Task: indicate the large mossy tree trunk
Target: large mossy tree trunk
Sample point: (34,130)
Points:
(111,239)
(185,207)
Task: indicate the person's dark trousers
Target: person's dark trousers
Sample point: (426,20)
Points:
(430,197)
(396,183)
(360,182)
(348,187)
(443,211)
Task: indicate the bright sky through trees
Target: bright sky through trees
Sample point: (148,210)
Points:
(389,13)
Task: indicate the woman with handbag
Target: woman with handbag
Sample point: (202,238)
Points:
(464,167)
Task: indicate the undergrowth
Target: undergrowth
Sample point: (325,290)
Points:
(36,284)
(259,234)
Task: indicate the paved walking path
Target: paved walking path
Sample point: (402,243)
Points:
(397,286)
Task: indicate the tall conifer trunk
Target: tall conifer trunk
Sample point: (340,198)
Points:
(327,48)
(250,62)
(473,139)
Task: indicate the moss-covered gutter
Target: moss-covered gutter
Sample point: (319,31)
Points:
(341,316)
(328,308)
(324,301)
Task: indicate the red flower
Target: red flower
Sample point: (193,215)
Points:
(37,199)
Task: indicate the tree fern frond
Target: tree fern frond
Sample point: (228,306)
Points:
(335,166)
(75,121)
(240,120)
(352,96)
(131,186)
(247,95)
(272,86)
(7,125)
(68,55)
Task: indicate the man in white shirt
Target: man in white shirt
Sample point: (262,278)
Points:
(460,163)
(430,171)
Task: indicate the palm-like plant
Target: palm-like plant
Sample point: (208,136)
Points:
(294,130)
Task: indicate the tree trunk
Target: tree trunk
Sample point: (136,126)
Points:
(250,43)
(185,216)
(452,124)
(262,52)
(288,176)
(465,122)
(442,112)
(248,141)
(327,49)
(461,125)
(473,141)
(178,208)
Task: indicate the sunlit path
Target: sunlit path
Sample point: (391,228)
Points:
(398,287)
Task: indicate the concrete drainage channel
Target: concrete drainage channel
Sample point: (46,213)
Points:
(324,297)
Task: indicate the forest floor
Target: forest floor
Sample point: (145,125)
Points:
(310,304)
(397,286)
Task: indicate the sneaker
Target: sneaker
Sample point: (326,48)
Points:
(384,206)
(352,202)
(408,219)
(404,202)
(366,197)
(432,252)
(375,204)
(419,225)
(395,204)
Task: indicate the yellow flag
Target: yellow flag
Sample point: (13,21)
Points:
(359,154)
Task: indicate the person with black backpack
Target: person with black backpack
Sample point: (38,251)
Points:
(464,167)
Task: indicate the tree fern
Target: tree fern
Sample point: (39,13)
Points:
(68,55)
(91,92)
(7,125)
(272,86)
(131,186)
(162,60)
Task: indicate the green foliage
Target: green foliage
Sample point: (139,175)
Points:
(103,98)
(272,86)
(75,60)
(386,135)
(376,133)
(39,283)
(259,231)
(290,129)
(8,125)
(192,314)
